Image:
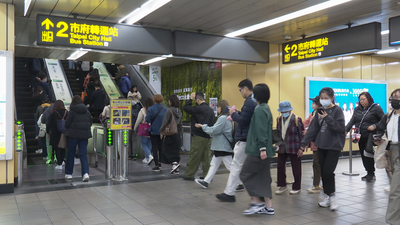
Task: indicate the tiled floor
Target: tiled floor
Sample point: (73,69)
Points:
(175,201)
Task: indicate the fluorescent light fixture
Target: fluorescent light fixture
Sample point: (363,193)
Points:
(388,51)
(385,32)
(144,10)
(27,3)
(77,54)
(290,16)
(156,59)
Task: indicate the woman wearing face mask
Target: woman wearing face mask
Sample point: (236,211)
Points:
(316,168)
(328,132)
(390,125)
(365,118)
(290,128)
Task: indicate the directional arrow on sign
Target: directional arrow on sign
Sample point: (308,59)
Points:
(287,48)
(48,23)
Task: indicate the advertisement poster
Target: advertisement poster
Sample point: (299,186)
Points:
(155,78)
(346,93)
(59,83)
(105,79)
(213,105)
(121,114)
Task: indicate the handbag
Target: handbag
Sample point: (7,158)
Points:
(144,128)
(172,127)
(370,144)
(63,141)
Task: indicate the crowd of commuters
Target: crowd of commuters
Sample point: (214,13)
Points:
(250,129)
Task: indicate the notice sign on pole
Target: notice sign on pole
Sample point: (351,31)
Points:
(78,33)
(342,42)
(121,114)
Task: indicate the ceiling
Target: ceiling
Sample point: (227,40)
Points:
(208,16)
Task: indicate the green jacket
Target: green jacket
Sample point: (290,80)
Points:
(260,132)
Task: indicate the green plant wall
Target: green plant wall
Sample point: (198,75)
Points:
(195,75)
(145,71)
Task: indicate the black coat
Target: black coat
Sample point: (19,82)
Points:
(79,122)
(39,100)
(51,126)
(98,99)
(372,118)
(202,114)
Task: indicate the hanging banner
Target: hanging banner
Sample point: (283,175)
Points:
(105,79)
(155,78)
(121,114)
(59,82)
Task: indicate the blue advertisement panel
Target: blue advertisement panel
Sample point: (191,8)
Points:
(346,92)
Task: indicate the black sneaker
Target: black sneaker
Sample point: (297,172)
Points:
(202,183)
(156,169)
(364,178)
(240,187)
(226,198)
(267,211)
(370,177)
(188,178)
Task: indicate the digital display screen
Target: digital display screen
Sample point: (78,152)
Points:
(346,92)
(394,27)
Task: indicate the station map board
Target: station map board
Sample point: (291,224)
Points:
(342,42)
(394,27)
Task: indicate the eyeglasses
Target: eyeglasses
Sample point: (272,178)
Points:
(363,99)
(240,89)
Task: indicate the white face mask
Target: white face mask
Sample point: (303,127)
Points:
(314,106)
(325,103)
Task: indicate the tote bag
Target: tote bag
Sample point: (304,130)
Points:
(171,128)
(144,129)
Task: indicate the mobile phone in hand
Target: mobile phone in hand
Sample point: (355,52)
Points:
(320,110)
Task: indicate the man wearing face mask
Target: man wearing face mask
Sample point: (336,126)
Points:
(201,142)
(290,128)
(390,125)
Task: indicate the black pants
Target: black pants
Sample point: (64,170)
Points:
(156,145)
(328,160)
(60,154)
(96,114)
(369,163)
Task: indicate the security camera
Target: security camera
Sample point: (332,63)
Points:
(288,37)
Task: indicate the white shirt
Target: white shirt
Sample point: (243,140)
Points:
(392,128)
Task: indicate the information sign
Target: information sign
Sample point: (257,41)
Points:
(59,83)
(351,40)
(121,114)
(105,79)
(79,33)
(394,27)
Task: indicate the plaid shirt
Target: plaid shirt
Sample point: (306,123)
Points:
(293,134)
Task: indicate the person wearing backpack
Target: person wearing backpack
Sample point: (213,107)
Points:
(291,129)
(221,136)
(78,125)
(52,127)
(42,127)
(390,126)
(125,85)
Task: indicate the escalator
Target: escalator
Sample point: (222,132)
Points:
(143,85)
(71,76)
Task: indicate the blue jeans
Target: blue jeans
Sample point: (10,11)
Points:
(146,145)
(82,146)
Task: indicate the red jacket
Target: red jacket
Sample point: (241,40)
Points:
(307,123)
(294,134)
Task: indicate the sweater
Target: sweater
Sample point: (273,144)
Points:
(222,127)
(260,132)
(79,122)
(328,133)
(243,118)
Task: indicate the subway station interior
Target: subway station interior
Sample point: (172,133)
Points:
(177,47)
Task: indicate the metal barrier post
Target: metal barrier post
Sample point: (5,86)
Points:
(19,148)
(121,156)
(350,172)
(124,154)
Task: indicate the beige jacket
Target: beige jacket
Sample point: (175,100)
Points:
(140,119)
(134,96)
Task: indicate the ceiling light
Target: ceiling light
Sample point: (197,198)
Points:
(290,16)
(144,10)
(77,54)
(27,3)
(388,51)
(156,59)
(385,32)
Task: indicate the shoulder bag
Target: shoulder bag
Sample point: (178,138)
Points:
(172,127)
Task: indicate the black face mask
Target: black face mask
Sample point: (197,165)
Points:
(395,103)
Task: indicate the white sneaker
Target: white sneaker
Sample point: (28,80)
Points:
(387,188)
(326,203)
(334,206)
(314,190)
(281,190)
(68,176)
(45,158)
(39,151)
(59,167)
(151,158)
(63,164)
(85,177)
(253,208)
(295,192)
(175,166)
(145,161)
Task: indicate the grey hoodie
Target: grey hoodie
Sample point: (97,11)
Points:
(167,118)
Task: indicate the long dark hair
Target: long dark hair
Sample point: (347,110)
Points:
(58,105)
(147,103)
(329,91)
(38,89)
(76,100)
(174,101)
(133,86)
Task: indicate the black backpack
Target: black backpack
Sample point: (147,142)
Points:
(233,132)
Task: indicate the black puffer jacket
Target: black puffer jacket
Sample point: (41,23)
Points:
(372,118)
(78,122)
